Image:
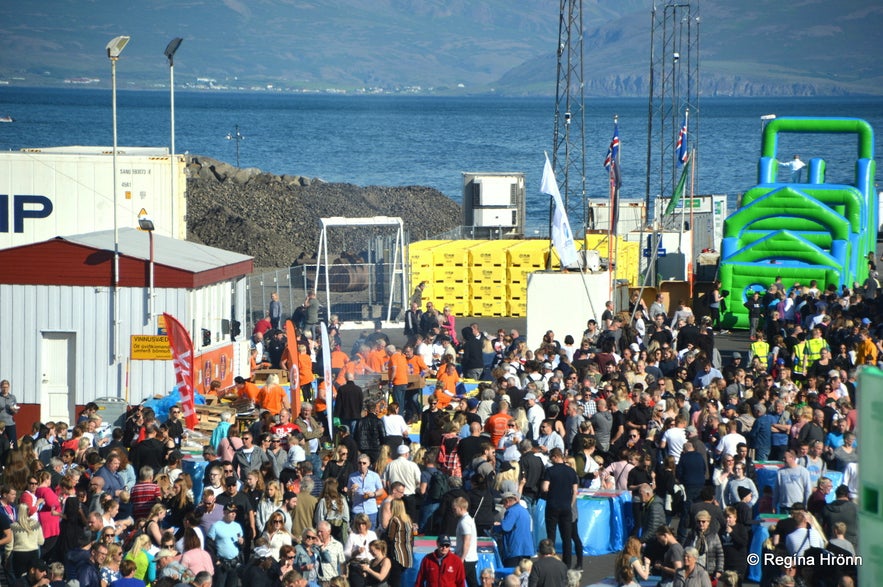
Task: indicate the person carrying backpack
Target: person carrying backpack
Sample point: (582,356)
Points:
(433,486)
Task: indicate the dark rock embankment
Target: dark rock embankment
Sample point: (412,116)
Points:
(275,218)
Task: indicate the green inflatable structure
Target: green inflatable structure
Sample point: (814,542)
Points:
(800,231)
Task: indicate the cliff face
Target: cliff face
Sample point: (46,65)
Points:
(276,218)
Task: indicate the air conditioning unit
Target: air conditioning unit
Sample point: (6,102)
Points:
(493,191)
(492,217)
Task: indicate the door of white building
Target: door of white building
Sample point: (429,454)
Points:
(58,364)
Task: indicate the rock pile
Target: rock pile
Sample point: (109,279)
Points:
(276,218)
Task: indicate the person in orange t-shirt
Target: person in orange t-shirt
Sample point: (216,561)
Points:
(397,372)
(416,364)
(448,378)
(305,369)
(356,366)
(246,389)
(338,358)
(272,397)
(498,424)
(377,357)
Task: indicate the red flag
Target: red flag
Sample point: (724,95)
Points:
(293,369)
(182,357)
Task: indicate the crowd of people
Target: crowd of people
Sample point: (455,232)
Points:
(643,403)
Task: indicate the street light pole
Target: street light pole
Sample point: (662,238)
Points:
(146,224)
(171,48)
(114,48)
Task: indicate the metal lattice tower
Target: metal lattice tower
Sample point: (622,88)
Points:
(569,153)
(674,88)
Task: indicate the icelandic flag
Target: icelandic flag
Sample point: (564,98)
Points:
(682,143)
(613,151)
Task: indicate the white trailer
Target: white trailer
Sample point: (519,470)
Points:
(62,191)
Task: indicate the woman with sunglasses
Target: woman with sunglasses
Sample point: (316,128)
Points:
(110,569)
(356,549)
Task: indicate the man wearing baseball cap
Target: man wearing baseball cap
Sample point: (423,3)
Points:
(516,527)
(406,472)
(441,567)
(36,576)
(229,538)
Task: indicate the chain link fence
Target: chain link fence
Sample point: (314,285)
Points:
(358,291)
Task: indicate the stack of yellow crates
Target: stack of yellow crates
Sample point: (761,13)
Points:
(423,265)
(450,275)
(522,260)
(487,278)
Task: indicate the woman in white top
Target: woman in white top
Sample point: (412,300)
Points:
(395,426)
(356,548)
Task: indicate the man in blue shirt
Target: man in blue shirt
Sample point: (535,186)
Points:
(364,485)
(87,574)
(761,435)
(228,536)
(517,538)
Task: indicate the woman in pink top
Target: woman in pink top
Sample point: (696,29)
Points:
(449,325)
(230,444)
(195,557)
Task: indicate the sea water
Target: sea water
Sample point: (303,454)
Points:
(428,141)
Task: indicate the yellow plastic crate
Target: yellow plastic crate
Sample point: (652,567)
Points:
(420,253)
(516,309)
(488,274)
(519,274)
(490,253)
(530,253)
(452,254)
(516,291)
(449,291)
(487,290)
(421,274)
(443,274)
(488,307)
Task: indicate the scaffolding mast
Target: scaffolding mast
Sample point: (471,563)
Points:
(674,90)
(569,140)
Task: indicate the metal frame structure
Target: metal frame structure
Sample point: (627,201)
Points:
(674,89)
(569,135)
(374,221)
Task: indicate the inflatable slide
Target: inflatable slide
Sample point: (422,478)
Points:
(800,231)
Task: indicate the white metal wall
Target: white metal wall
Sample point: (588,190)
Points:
(27,311)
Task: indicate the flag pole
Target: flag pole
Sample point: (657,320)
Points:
(690,258)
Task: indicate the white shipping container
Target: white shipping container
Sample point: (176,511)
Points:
(61,191)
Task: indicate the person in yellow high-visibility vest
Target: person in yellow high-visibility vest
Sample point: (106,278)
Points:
(760,348)
(813,350)
(798,354)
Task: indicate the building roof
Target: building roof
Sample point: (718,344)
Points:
(87,259)
(167,251)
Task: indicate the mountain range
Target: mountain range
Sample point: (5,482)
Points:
(753,47)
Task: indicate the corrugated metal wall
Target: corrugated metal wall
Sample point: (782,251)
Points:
(26,312)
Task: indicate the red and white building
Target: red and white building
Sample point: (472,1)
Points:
(68,332)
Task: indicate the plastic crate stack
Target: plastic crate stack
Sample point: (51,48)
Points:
(450,276)
(423,267)
(523,259)
(488,278)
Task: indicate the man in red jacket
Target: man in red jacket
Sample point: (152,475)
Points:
(441,567)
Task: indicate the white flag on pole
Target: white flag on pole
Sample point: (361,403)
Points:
(562,237)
